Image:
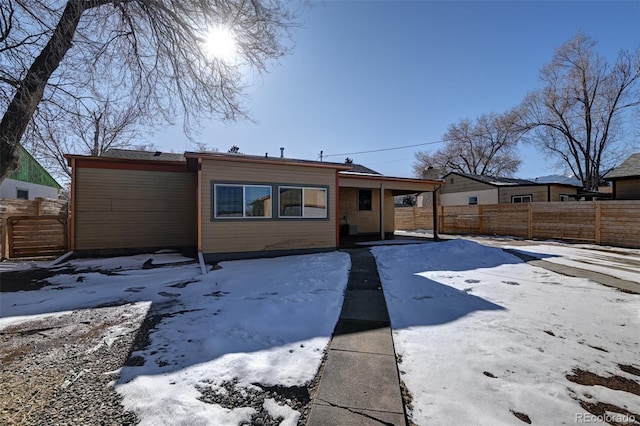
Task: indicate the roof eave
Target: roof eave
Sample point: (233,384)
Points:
(273,160)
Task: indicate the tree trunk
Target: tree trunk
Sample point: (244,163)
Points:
(24,103)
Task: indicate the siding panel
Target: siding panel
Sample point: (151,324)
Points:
(229,236)
(134,209)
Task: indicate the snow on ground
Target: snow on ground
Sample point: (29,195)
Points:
(262,321)
(482,335)
(618,263)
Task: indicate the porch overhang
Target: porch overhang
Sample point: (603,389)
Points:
(399,186)
(395,185)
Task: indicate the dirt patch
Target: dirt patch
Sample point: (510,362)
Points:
(588,378)
(610,413)
(60,369)
(521,416)
(630,369)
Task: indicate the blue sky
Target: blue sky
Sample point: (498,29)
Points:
(370,75)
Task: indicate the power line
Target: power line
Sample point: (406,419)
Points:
(380,150)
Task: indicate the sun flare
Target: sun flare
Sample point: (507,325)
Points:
(220,43)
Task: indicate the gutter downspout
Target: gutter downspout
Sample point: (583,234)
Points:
(434,206)
(72,208)
(203,267)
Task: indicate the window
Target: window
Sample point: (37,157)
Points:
(22,194)
(365,197)
(473,200)
(302,202)
(564,197)
(234,201)
(521,199)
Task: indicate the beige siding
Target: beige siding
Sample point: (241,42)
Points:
(367,221)
(256,235)
(389,212)
(557,191)
(627,189)
(456,183)
(117,209)
(538,193)
(485,196)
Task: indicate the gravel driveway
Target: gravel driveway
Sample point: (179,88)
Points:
(58,369)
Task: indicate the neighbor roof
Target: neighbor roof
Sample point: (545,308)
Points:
(629,168)
(359,168)
(503,181)
(131,154)
(493,180)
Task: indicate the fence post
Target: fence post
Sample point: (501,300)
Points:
(9,238)
(598,222)
(530,228)
(480,224)
(442,220)
(38,201)
(414,225)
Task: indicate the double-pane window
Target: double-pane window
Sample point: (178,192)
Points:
(303,202)
(235,201)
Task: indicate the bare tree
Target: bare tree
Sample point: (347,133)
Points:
(61,53)
(485,146)
(96,128)
(578,114)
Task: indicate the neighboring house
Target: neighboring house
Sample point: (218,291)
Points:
(226,205)
(29,180)
(625,179)
(467,189)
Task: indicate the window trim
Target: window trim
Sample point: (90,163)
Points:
(302,188)
(567,197)
(370,209)
(475,197)
(513,197)
(244,201)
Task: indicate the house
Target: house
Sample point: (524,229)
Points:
(226,205)
(29,180)
(466,189)
(625,179)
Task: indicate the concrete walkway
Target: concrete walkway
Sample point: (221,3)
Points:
(359,384)
(604,279)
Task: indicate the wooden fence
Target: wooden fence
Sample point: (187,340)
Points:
(615,223)
(33,228)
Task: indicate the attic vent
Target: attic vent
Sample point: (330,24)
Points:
(157,154)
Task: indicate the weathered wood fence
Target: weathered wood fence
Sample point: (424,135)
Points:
(33,228)
(615,223)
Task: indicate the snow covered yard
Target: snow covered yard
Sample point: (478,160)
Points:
(208,344)
(487,339)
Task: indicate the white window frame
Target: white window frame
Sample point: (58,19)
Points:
(473,198)
(302,216)
(244,201)
(523,199)
(565,197)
